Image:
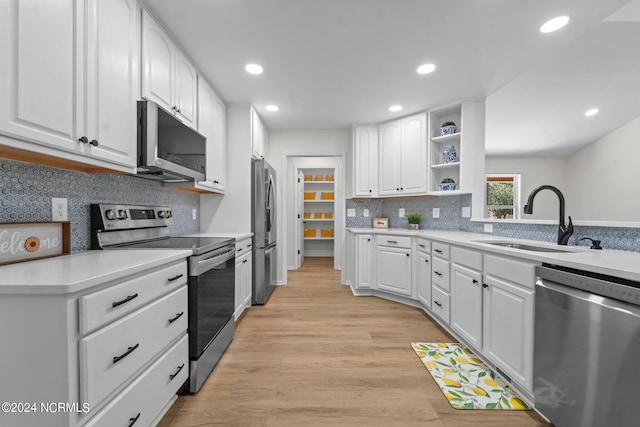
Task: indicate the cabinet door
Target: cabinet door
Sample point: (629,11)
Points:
(243,277)
(257,137)
(508,329)
(112,79)
(364,254)
(394,270)
(466,304)
(424,279)
(389,159)
(414,154)
(365,165)
(212,124)
(185,89)
(157,63)
(37,85)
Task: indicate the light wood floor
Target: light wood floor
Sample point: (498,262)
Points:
(315,355)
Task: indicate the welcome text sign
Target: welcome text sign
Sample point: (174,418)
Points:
(33,240)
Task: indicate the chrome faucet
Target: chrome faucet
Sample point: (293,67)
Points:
(564,232)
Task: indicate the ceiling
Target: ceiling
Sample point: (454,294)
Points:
(330,64)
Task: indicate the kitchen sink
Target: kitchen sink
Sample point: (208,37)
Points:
(525,246)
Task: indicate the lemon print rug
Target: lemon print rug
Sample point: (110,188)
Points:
(464,379)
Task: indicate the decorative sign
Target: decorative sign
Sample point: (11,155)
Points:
(25,241)
(380,222)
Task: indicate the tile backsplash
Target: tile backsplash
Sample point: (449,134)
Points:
(26,191)
(627,239)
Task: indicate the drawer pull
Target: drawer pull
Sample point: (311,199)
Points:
(437,303)
(127,299)
(171,279)
(484,285)
(438,273)
(239,249)
(392,241)
(427,261)
(249,245)
(245,261)
(408,255)
(474,281)
(422,246)
(179,315)
(116,359)
(132,421)
(438,250)
(172,376)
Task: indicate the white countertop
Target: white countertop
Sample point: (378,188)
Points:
(237,236)
(80,271)
(616,263)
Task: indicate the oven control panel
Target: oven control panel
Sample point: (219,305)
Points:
(126,217)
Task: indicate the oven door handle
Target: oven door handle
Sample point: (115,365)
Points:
(204,265)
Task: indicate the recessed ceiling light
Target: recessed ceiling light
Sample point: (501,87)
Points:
(395,108)
(591,112)
(554,24)
(426,68)
(272,108)
(254,69)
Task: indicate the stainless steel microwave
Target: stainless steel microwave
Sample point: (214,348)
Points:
(168,150)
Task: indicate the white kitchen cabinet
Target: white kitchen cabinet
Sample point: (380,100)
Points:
(244,262)
(440,281)
(466,303)
(70,78)
(508,316)
(364,260)
(212,116)
(168,78)
(424,278)
(403,156)
(258,136)
(119,331)
(365,161)
(467,170)
(394,265)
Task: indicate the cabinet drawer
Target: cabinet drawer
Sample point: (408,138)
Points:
(512,270)
(424,245)
(466,257)
(99,308)
(440,272)
(440,249)
(243,246)
(110,356)
(394,241)
(148,394)
(440,304)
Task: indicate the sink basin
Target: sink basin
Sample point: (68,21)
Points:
(525,247)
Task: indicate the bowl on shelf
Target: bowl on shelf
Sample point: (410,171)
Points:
(329,177)
(307,215)
(309,195)
(448,128)
(447,184)
(308,177)
(319,178)
(328,215)
(326,195)
(309,232)
(317,215)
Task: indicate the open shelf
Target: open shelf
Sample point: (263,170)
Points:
(318,238)
(451,165)
(446,138)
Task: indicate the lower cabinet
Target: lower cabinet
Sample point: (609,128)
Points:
(424,279)
(440,281)
(508,317)
(393,265)
(244,262)
(364,262)
(466,294)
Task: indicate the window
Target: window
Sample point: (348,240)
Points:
(503,196)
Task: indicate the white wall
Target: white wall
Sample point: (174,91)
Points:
(603,177)
(284,145)
(231,213)
(535,172)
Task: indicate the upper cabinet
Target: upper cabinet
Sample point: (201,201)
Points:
(410,156)
(457,151)
(77,103)
(403,157)
(212,120)
(168,78)
(258,136)
(365,161)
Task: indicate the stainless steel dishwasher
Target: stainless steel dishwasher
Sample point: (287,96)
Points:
(587,344)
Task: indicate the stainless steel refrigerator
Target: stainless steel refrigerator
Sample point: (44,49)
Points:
(263,226)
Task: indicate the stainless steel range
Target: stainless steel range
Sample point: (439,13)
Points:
(211,271)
